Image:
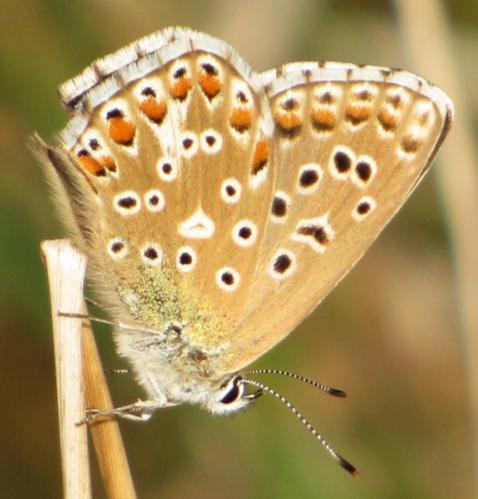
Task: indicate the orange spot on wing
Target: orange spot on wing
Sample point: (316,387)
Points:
(155,110)
(357,114)
(210,85)
(108,162)
(241,119)
(424,119)
(387,120)
(395,100)
(410,144)
(323,119)
(121,131)
(261,156)
(181,88)
(288,121)
(90,164)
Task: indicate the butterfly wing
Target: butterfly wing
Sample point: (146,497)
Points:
(164,167)
(349,146)
(223,205)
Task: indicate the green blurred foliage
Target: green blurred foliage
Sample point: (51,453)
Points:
(388,334)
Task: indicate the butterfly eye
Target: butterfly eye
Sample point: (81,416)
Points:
(235,392)
(231,395)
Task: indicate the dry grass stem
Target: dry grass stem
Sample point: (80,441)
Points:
(66,272)
(80,377)
(106,436)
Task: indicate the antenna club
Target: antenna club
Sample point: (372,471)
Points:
(267,389)
(337,393)
(348,466)
(330,390)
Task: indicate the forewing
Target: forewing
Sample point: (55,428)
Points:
(165,164)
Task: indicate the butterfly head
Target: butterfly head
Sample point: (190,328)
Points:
(231,397)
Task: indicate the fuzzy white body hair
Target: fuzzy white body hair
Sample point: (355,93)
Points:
(163,382)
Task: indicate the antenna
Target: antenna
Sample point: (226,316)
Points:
(343,462)
(324,388)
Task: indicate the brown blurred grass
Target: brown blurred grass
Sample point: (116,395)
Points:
(388,334)
(458,189)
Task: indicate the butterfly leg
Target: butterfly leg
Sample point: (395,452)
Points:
(141,410)
(120,325)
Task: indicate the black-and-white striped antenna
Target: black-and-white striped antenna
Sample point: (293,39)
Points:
(343,462)
(279,372)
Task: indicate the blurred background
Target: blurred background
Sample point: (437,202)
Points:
(400,345)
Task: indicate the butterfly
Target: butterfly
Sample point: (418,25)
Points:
(218,206)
